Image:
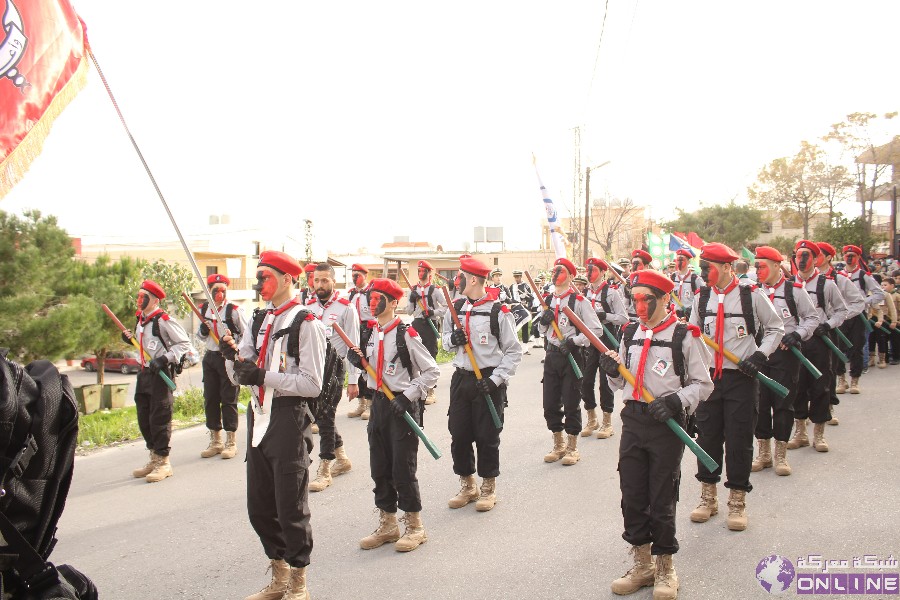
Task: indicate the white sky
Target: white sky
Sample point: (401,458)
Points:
(419,118)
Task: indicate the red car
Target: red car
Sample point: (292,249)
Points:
(124,362)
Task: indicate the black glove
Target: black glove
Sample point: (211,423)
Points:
(354,359)
(158,364)
(664,408)
(125,338)
(792,339)
(204,329)
(822,330)
(609,365)
(679,312)
(566,347)
(546,317)
(458,337)
(601,315)
(401,404)
(486,385)
(414,297)
(227,351)
(247,373)
(751,365)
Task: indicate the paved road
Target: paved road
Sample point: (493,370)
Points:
(555,532)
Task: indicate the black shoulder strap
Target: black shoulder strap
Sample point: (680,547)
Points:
(678,336)
(704,301)
(820,291)
(789,298)
(365,335)
(229,310)
(155,329)
(627,336)
(572,298)
(862,281)
(458,304)
(428,295)
(403,349)
(293,333)
(747,308)
(603,301)
(693,281)
(259,315)
(495,319)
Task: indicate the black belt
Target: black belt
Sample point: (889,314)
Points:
(485,371)
(282,401)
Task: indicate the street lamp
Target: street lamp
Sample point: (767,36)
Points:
(587,209)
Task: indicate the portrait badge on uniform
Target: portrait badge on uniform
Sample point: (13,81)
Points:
(661,367)
(328,331)
(151,345)
(563,320)
(740,331)
(483,339)
(785,313)
(390,368)
(282,362)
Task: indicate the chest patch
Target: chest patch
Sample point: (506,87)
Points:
(661,367)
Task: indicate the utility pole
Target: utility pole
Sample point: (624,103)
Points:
(587,209)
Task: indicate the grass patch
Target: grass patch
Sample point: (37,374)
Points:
(444,356)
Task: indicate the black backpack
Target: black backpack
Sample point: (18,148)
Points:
(38,434)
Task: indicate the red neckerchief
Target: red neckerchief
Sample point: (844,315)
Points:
(596,293)
(144,320)
(359,295)
(261,361)
(559,300)
(639,378)
(485,298)
(325,306)
(381,332)
(815,273)
(681,282)
(720,327)
(422,293)
(774,288)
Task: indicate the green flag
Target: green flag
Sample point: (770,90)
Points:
(658,247)
(747,255)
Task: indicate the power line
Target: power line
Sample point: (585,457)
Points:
(597,55)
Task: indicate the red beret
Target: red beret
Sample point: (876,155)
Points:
(282,262)
(309,268)
(474,266)
(567,264)
(718,253)
(826,248)
(358,267)
(388,287)
(217,278)
(462,256)
(768,253)
(684,252)
(424,264)
(652,279)
(854,249)
(153,287)
(811,246)
(644,256)
(597,262)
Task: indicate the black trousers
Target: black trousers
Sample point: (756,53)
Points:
(329,438)
(649,476)
(153,400)
(526,332)
(776,414)
(562,393)
(535,332)
(726,420)
(855,330)
(878,339)
(469,421)
(590,371)
(393,457)
(364,391)
(426,334)
(813,399)
(837,368)
(220,395)
(277,480)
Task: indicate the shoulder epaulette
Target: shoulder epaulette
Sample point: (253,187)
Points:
(695,331)
(344,301)
(579,297)
(311,301)
(797,284)
(309,317)
(164,316)
(371,323)
(137,313)
(504,308)
(412,332)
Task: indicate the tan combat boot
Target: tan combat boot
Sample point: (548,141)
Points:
(315,428)
(871,359)
(781,464)
(800,438)
(819,442)
(388,531)
(323,476)
(281,573)
(841,387)
(559,448)
(763,457)
(297,585)
(641,574)
(709,503)
(468,492)
(341,464)
(834,419)
(854,385)
(737,507)
(488,497)
(606,430)
(359,410)
(162,470)
(666,582)
(882,361)
(230,445)
(146,469)
(592,423)
(571,457)
(414,535)
(215,444)
(430,397)
(365,415)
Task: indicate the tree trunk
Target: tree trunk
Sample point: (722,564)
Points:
(101,364)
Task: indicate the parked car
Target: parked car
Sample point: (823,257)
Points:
(123,362)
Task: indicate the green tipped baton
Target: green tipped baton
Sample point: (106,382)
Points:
(805,361)
(766,381)
(612,339)
(866,322)
(835,349)
(559,336)
(432,449)
(169,383)
(843,337)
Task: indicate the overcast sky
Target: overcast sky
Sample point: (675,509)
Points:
(419,118)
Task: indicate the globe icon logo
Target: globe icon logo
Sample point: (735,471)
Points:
(775,574)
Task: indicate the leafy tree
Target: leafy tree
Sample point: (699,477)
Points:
(842,232)
(782,243)
(801,186)
(731,224)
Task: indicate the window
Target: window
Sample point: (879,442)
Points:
(766,227)
(211,271)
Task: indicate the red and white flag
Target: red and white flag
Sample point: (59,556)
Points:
(43,65)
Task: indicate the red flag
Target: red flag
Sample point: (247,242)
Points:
(695,240)
(680,235)
(43,65)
